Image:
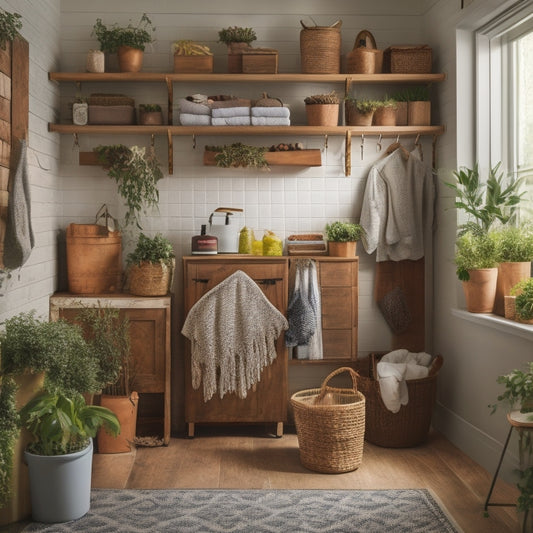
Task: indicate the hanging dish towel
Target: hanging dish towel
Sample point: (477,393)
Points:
(233,330)
(304,310)
(19,240)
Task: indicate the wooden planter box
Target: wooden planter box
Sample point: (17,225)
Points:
(305,158)
(260,61)
(193,64)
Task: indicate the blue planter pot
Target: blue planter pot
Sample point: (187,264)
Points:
(60,485)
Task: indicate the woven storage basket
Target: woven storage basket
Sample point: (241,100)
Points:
(320,49)
(150,279)
(330,424)
(365,58)
(407,59)
(410,425)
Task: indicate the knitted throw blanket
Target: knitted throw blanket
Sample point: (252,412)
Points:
(233,330)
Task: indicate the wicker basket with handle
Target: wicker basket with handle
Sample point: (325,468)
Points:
(410,425)
(320,49)
(330,424)
(365,58)
(407,59)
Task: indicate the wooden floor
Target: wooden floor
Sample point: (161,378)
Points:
(251,458)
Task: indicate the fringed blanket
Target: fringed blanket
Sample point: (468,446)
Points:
(233,330)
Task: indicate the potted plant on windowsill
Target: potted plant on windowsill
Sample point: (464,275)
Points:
(237,39)
(519,304)
(151,266)
(342,238)
(128,42)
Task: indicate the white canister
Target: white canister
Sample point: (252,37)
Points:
(95,61)
(80,113)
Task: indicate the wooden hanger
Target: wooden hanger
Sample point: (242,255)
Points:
(395,145)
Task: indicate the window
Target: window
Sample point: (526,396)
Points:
(505,96)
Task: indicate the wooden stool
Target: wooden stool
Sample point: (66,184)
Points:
(522,422)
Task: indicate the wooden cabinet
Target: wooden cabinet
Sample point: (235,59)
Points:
(338,281)
(267,401)
(149,319)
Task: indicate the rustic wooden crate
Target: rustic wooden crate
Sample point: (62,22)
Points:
(193,64)
(257,61)
(305,158)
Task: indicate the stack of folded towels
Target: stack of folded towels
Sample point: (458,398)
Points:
(234,112)
(195,111)
(270,116)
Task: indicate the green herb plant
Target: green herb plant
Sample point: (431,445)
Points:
(344,232)
(523,291)
(9,430)
(239,155)
(150,108)
(152,249)
(363,105)
(514,243)
(474,250)
(136,174)
(114,36)
(10,24)
(236,34)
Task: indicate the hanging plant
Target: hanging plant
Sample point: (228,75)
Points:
(136,174)
(239,155)
(10,24)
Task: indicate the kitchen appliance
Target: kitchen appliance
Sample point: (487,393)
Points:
(225,224)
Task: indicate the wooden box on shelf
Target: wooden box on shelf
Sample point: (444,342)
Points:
(193,64)
(304,158)
(260,61)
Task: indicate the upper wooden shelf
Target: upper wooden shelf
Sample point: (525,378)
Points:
(227,78)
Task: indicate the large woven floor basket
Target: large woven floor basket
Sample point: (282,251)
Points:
(410,425)
(330,424)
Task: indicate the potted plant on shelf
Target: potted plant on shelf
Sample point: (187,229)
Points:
(59,457)
(151,266)
(418,107)
(385,113)
(514,249)
(150,114)
(192,57)
(128,42)
(359,111)
(322,109)
(237,39)
(136,174)
(517,399)
(402,103)
(342,238)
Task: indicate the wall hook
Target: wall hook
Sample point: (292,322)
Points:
(75,141)
(378,144)
(362,146)
(194,141)
(326,141)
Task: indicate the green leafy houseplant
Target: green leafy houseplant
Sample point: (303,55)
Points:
(114,36)
(363,105)
(62,424)
(239,155)
(514,243)
(524,299)
(344,232)
(474,250)
(10,24)
(136,174)
(149,108)
(153,250)
(236,34)
(9,430)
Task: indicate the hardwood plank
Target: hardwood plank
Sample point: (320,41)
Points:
(5,59)
(20,98)
(5,109)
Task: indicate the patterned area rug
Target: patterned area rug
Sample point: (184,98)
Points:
(273,511)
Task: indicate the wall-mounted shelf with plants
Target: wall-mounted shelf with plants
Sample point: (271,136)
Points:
(169,130)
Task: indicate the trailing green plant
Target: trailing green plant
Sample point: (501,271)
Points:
(236,34)
(344,232)
(136,174)
(363,105)
(114,36)
(9,430)
(152,249)
(485,201)
(329,98)
(239,155)
(474,250)
(514,243)
(150,108)
(10,25)
(57,348)
(61,424)
(108,336)
(523,291)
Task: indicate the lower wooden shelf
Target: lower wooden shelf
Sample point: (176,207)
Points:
(304,158)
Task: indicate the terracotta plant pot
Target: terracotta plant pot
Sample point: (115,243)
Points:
(385,116)
(509,274)
(126,410)
(401,113)
(151,118)
(322,114)
(356,118)
(342,249)
(130,59)
(480,290)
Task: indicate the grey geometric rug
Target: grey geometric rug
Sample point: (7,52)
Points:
(258,511)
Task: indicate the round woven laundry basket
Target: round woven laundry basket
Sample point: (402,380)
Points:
(320,49)
(330,424)
(150,279)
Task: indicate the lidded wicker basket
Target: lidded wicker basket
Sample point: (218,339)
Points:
(330,424)
(365,58)
(320,49)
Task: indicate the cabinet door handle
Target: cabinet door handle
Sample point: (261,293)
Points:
(268,281)
(201,280)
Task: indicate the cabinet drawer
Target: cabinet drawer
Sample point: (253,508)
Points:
(335,274)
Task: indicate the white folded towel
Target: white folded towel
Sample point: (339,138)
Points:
(194,108)
(271,121)
(394,369)
(262,111)
(189,119)
(230,121)
(222,112)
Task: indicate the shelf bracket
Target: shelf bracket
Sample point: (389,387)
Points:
(347,86)
(170,153)
(170,89)
(348,153)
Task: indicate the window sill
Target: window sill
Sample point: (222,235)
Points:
(496,322)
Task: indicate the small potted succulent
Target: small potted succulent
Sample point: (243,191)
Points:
(322,109)
(343,237)
(359,111)
(237,40)
(128,41)
(385,114)
(150,114)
